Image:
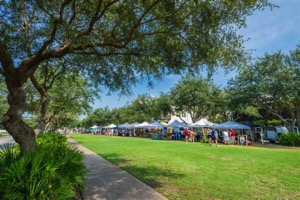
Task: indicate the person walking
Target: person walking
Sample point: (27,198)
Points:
(213,137)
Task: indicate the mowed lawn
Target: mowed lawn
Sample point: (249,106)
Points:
(181,170)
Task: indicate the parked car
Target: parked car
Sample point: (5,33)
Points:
(272,133)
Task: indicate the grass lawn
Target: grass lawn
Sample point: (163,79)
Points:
(181,170)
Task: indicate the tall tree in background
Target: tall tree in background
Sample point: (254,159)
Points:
(194,95)
(270,84)
(113,41)
(58,94)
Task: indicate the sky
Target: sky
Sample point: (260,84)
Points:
(268,31)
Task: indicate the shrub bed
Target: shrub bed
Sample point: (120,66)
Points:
(54,171)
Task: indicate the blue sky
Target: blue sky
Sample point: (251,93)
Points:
(268,31)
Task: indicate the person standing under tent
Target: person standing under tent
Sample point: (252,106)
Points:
(208,134)
(186,135)
(225,137)
(192,136)
(232,136)
(213,137)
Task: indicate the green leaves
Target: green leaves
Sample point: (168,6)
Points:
(270,83)
(194,95)
(54,171)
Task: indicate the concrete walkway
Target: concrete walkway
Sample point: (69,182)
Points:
(106,181)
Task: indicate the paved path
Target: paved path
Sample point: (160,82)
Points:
(6,139)
(106,181)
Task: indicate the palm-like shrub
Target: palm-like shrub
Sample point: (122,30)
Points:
(54,171)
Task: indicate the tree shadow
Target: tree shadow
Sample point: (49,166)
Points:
(115,158)
(148,174)
(273,146)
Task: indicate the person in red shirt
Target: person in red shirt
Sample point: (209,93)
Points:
(186,135)
(232,135)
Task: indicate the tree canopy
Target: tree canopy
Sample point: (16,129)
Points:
(194,95)
(272,84)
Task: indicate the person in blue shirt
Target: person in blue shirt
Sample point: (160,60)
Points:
(213,137)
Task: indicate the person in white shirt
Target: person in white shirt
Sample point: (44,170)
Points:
(225,137)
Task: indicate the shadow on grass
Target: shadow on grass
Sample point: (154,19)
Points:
(151,175)
(273,146)
(115,159)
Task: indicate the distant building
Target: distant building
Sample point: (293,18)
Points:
(183,115)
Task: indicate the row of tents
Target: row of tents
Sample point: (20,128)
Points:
(204,123)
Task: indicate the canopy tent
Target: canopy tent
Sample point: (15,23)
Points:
(94,126)
(130,126)
(145,125)
(231,125)
(177,124)
(174,119)
(157,125)
(111,126)
(164,123)
(203,123)
(124,125)
(142,124)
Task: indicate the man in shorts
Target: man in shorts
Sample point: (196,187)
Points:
(213,137)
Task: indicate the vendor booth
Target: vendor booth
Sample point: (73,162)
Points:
(243,131)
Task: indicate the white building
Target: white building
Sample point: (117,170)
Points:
(183,115)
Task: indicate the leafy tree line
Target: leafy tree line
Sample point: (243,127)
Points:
(270,85)
(194,95)
(265,89)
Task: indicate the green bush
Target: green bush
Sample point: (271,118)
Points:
(290,139)
(54,171)
(204,139)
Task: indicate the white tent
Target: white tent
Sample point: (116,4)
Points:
(231,125)
(203,123)
(111,126)
(144,125)
(94,126)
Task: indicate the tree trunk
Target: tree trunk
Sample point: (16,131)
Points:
(41,124)
(293,122)
(12,120)
(298,118)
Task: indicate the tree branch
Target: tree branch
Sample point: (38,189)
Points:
(55,27)
(141,18)
(6,60)
(56,73)
(37,85)
(74,13)
(106,54)
(97,16)
(29,65)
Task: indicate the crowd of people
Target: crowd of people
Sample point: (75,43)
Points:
(212,135)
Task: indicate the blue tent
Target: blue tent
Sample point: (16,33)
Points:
(124,125)
(177,124)
(231,125)
(157,125)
